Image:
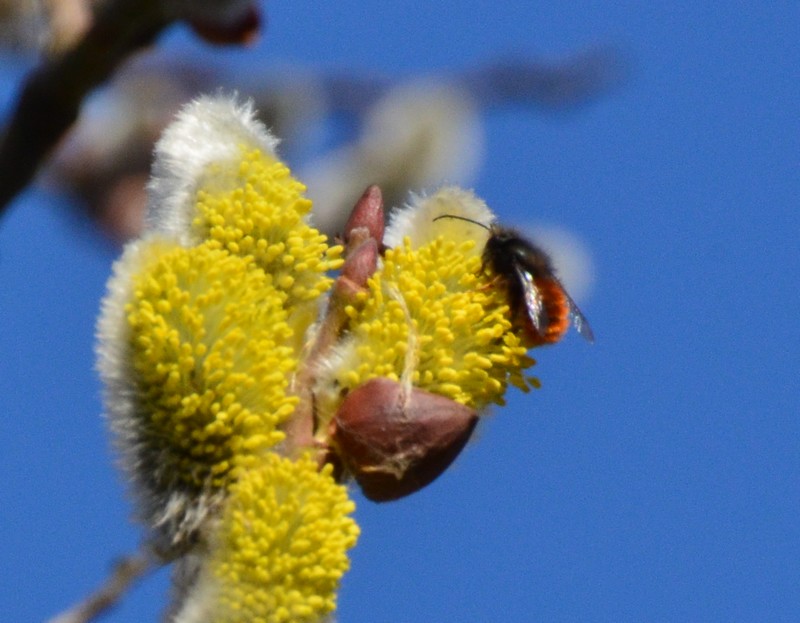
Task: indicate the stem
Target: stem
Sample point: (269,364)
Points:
(125,573)
(50,101)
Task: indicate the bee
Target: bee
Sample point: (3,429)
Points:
(537,299)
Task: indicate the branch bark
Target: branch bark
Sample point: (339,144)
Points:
(126,571)
(52,96)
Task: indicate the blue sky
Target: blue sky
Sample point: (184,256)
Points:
(656,474)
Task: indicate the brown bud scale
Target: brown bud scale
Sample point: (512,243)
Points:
(396,441)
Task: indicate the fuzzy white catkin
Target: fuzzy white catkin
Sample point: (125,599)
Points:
(208,130)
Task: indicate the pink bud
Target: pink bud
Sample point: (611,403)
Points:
(394,442)
(367,218)
(357,269)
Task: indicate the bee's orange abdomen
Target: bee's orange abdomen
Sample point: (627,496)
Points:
(556,305)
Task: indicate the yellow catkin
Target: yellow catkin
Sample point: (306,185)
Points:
(263,213)
(211,368)
(430,316)
(281,547)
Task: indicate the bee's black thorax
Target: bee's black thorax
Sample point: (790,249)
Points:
(506,252)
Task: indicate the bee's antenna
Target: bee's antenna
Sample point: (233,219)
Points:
(464,218)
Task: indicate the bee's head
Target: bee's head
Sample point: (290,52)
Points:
(507,249)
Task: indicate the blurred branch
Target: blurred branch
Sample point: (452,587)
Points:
(425,128)
(555,86)
(516,80)
(125,572)
(51,98)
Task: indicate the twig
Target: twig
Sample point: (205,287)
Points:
(126,571)
(551,86)
(51,98)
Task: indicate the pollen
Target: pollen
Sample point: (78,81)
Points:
(431,318)
(262,212)
(281,547)
(208,339)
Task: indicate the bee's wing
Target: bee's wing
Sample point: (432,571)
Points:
(533,300)
(579,320)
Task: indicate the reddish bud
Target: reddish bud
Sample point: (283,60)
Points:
(366,220)
(241,27)
(395,443)
(357,269)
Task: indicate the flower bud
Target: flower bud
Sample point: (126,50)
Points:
(396,441)
(367,218)
(357,269)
